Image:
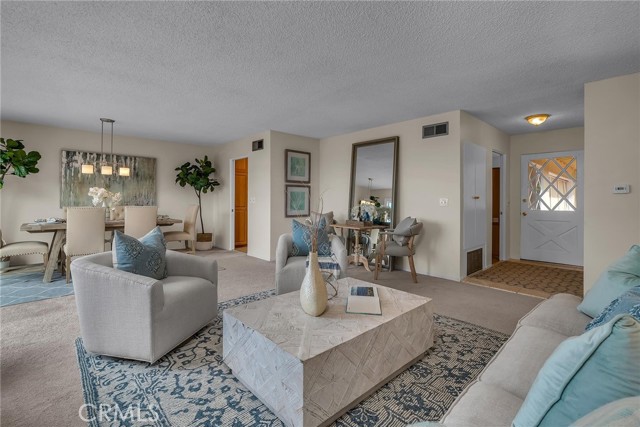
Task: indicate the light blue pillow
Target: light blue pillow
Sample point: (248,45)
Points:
(619,277)
(621,413)
(629,302)
(302,239)
(145,256)
(583,374)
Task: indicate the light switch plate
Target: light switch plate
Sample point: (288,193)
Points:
(621,189)
(444,201)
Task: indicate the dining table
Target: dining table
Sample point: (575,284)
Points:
(59,230)
(357,257)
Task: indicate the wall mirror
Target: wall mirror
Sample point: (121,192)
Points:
(373,181)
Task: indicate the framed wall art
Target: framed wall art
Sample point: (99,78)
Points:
(138,189)
(298,164)
(296,201)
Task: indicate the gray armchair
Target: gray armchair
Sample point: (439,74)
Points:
(136,317)
(290,270)
(399,242)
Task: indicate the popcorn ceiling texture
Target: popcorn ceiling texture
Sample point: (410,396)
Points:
(213,72)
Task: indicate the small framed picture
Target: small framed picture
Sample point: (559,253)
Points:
(296,201)
(298,164)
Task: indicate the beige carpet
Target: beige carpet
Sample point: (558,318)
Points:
(40,380)
(531,278)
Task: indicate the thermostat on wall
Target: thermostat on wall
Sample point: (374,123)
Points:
(621,189)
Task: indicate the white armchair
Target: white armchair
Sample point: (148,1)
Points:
(136,317)
(290,270)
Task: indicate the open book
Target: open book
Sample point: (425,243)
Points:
(363,300)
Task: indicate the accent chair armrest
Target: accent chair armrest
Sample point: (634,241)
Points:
(182,264)
(283,249)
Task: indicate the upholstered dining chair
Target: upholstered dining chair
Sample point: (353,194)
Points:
(85,234)
(139,220)
(188,233)
(399,242)
(8,250)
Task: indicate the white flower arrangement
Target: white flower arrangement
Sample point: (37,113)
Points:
(105,197)
(364,212)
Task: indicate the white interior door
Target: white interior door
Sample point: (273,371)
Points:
(552,215)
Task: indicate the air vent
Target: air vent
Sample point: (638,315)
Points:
(257,145)
(438,129)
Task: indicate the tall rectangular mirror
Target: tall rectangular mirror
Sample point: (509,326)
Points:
(373,196)
(373,181)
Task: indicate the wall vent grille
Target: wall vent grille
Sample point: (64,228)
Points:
(438,129)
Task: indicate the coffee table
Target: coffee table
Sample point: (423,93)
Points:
(311,370)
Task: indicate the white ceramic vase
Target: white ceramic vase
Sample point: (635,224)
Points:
(313,292)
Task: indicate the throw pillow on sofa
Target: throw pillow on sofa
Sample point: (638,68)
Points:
(619,277)
(302,236)
(629,302)
(621,413)
(144,256)
(580,377)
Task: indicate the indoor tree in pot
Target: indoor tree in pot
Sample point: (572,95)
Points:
(198,176)
(15,161)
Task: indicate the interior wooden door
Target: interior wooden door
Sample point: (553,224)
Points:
(241,202)
(495,214)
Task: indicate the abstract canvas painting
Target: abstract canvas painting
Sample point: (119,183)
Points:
(138,189)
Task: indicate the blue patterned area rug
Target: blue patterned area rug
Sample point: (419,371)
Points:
(192,387)
(21,287)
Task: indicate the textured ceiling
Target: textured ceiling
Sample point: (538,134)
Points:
(207,73)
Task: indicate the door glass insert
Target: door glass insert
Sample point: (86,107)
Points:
(553,184)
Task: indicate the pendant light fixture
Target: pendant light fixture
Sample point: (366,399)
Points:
(106,167)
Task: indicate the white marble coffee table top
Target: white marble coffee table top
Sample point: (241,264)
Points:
(282,320)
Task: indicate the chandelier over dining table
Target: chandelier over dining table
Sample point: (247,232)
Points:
(106,167)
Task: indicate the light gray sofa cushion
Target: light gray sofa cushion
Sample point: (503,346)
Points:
(483,405)
(558,314)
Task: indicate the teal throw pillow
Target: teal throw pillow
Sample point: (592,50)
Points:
(583,374)
(302,239)
(145,256)
(629,302)
(619,277)
(621,413)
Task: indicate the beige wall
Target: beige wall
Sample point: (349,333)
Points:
(427,170)
(38,196)
(281,141)
(478,132)
(259,209)
(612,156)
(532,143)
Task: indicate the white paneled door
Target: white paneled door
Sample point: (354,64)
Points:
(552,214)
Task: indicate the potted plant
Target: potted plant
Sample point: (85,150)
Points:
(15,161)
(198,176)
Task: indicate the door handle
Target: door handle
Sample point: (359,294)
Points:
(476,197)
(524,214)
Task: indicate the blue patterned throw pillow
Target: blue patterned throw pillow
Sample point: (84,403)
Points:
(145,256)
(302,239)
(629,302)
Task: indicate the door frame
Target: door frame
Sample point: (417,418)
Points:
(232,202)
(503,205)
(524,184)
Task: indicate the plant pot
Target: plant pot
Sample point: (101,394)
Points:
(313,292)
(204,241)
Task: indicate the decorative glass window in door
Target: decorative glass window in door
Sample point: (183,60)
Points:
(553,184)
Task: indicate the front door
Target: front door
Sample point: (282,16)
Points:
(552,218)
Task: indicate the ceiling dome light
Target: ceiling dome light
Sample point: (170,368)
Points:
(537,119)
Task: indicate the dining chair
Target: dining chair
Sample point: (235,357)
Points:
(188,233)
(85,234)
(399,242)
(139,220)
(8,250)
